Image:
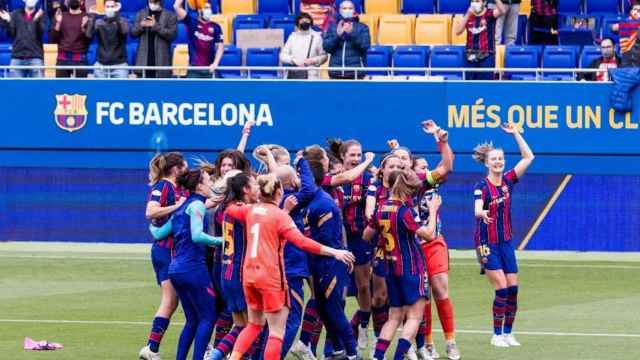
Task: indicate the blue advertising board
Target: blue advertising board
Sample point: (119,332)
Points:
(570,124)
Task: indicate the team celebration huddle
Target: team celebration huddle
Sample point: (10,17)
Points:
(235,247)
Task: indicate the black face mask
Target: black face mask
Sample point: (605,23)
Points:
(305,26)
(74,4)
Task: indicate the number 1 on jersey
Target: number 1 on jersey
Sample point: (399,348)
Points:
(255,232)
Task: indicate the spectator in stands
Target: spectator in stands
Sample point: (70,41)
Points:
(480,23)
(303,48)
(608,60)
(69,33)
(27,27)
(543,22)
(111,32)
(205,39)
(347,41)
(323,12)
(507,24)
(628,31)
(156,28)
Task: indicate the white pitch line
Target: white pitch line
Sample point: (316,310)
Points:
(551,263)
(146,323)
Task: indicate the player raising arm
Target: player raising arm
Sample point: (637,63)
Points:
(494,245)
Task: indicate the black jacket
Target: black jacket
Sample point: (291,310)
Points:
(595,64)
(112,39)
(27,35)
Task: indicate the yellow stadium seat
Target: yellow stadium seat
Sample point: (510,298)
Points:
(50,58)
(396,30)
(433,30)
(239,6)
(382,7)
(525,7)
(180,58)
(458,39)
(196,4)
(371,20)
(226,23)
(500,50)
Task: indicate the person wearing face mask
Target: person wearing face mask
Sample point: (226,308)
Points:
(543,22)
(156,28)
(68,32)
(205,39)
(27,27)
(302,49)
(608,60)
(111,33)
(628,31)
(480,23)
(347,41)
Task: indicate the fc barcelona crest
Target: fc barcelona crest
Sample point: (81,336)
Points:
(71,112)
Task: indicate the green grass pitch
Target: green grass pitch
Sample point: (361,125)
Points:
(98,300)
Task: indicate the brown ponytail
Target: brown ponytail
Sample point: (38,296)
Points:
(403,184)
(162,164)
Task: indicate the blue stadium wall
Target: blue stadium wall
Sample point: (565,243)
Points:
(73,158)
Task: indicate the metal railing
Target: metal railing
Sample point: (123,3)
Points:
(279,72)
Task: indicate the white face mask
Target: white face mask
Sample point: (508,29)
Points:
(346,13)
(476,7)
(109,13)
(31,3)
(154,7)
(207,13)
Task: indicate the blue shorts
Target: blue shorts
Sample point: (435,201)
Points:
(361,249)
(160,259)
(233,294)
(406,289)
(501,256)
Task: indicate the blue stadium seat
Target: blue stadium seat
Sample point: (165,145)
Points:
(285,22)
(15,4)
(522,57)
(559,57)
(4,37)
(263,57)
(183,34)
(132,50)
(273,6)
(92,53)
(132,6)
(168,4)
(447,57)
(411,56)
(570,6)
(589,53)
(244,22)
(232,57)
(603,6)
(607,22)
(453,6)
(5,58)
(418,6)
(379,56)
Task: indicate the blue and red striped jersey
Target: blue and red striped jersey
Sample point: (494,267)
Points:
(496,199)
(481,31)
(397,223)
(234,246)
(164,193)
(354,203)
(628,31)
(336,192)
